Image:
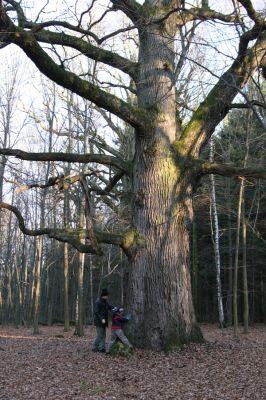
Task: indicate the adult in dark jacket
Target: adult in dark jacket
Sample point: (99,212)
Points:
(101,309)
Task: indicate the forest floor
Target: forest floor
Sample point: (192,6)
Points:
(56,365)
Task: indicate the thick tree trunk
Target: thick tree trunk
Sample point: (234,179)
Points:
(159,282)
(161,299)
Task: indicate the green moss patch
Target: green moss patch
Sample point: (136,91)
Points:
(120,350)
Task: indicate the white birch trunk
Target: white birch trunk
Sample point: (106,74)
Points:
(215,235)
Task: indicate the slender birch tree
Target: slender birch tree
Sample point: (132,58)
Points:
(216,245)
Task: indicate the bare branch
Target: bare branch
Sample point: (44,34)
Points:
(68,157)
(95,53)
(184,16)
(218,102)
(60,235)
(207,167)
(9,33)
(128,241)
(131,8)
(64,182)
(116,178)
(249,104)
(252,13)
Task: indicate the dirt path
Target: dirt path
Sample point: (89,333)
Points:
(58,366)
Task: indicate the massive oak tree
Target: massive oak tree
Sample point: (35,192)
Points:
(167,165)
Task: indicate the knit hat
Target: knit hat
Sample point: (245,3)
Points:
(104,292)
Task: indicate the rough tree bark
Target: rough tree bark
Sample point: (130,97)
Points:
(159,281)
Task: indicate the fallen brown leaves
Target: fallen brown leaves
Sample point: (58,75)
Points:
(56,365)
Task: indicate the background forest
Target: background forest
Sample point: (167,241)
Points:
(45,281)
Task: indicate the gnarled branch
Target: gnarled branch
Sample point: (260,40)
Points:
(64,182)
(26,40)
(207,167)
(184,16)
(131,8)
(63,39)
(68,157)
(128,241)
(95,53)
(218,102)
(60,235)
(252,13)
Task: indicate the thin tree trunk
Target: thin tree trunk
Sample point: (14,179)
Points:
(10,312)
(230,257)
(80,321)
(66,215)
(216,244)
(10,301)
(23,288)
(244,233)
(81,260)
(51,277)
(66,286)
(38,285)
(121,278)
(1,305)
(263,297)
(91,289)
(245,278)
(19,295)
(195,266)
(235,291)
(31,288)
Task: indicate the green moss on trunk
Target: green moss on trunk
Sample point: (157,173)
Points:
(174,341)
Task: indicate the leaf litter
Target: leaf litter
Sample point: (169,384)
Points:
(56,365)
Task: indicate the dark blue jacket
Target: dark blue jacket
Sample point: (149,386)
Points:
(101,309)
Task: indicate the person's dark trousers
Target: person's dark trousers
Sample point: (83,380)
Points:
(99,342)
